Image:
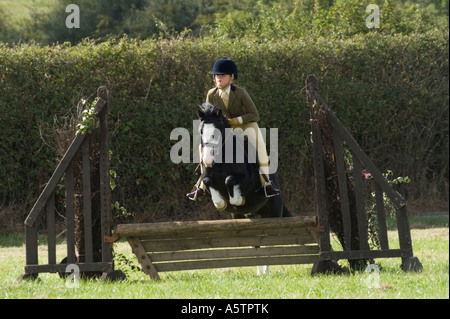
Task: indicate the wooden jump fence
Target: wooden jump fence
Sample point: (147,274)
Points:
(341,193)
(189,245)
(45,206)
(341,208)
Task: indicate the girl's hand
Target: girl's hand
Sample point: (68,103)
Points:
(233,121)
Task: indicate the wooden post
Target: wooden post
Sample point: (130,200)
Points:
(358,177)
(343,190)
(31,251)
(31,244)
(320,266)
(70,215)
(51,230)
(409,262)
(144,260)
(381,216)
(88,245)
(105,188)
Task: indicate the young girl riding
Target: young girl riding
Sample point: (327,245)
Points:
(241,112)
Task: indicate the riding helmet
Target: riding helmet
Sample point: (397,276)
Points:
(225,66)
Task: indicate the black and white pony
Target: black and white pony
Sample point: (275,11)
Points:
(230,174)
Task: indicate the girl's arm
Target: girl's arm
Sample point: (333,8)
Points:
(251,114)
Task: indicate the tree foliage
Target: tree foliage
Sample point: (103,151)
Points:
(389,86)
(265,19)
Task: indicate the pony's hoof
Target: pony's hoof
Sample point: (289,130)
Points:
(221,205)
(240,201)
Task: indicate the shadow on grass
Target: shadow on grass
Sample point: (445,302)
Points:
(421,222)
(18,240)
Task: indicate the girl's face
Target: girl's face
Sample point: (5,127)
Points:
(222,80)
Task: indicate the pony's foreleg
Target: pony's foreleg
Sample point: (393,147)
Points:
(234,191)
(237,199)
(218,201)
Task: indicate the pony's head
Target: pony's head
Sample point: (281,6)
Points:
(207,111)
(212,132)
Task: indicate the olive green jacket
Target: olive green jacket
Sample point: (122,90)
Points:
(239,104)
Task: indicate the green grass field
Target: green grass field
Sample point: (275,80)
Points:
(430,243)
(19,11)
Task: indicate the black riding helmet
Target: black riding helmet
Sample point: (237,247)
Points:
(225,66)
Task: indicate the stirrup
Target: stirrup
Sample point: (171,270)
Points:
(277,191)
(196,192)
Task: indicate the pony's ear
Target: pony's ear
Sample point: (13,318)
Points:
(219,112)
(200,113)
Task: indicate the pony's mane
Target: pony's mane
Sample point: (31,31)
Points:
(209,110)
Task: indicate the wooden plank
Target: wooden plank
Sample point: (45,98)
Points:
(360,206)
(200,243)
(343,192)
(228,233)
(54,180)
(51,229)
(143,258)
(70,214)
(381,216)
(161,229)
(103,267)
(240,262)
(234,253)
(87,207)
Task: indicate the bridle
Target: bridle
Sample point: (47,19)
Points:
(216,122)
(221,121)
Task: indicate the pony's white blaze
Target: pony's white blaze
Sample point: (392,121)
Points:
(209,132)
(211,139)
(208,156)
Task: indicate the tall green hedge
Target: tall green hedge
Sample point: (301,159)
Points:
(391,92)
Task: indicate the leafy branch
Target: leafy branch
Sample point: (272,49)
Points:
(89,120)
